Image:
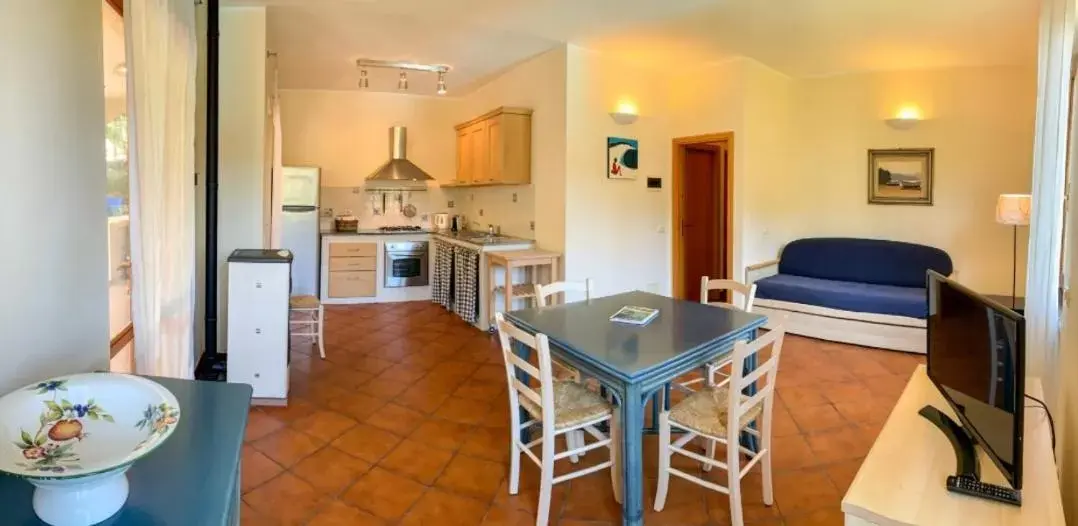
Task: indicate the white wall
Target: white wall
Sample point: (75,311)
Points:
(346,133)
(537,83)
(980,122)
(242,122)
(56,318)
(616,231)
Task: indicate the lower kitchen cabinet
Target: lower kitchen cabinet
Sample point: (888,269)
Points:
(352,284)
(353,270)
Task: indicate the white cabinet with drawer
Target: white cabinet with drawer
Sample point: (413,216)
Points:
(258,292)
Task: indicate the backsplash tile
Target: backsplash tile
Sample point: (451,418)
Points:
(498,207)
(341,199)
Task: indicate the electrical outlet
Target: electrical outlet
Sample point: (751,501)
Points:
(424,217)
(356,189)
(450,205)
(480,212)
(532,225)
(514,197)
(652,288)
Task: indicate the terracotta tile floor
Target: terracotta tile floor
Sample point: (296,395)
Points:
(406,420)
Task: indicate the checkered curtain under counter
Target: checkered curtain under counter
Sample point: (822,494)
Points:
(442,274)
(466,284)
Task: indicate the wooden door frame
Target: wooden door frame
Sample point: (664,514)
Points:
(117,5)
(677,180)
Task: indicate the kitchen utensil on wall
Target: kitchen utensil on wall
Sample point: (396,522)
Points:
(409,210)
(375,210)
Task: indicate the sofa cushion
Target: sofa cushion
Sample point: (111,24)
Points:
(873,261)
(845,295)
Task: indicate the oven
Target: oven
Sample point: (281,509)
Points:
(406,264)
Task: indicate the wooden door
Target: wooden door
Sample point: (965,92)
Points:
(702,226)
(495,150)
(464,156)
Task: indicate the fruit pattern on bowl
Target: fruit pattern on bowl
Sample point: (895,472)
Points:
(158,419)
(52,447)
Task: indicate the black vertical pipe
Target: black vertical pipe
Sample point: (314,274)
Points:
(213,54)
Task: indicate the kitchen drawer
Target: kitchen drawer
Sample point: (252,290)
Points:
(352,284)
(352,250)
(340,264)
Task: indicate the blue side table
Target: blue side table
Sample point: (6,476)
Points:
(193,478)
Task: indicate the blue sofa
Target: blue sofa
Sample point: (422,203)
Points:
(863,291)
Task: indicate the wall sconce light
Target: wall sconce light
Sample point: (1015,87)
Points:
(626,113)
(907,117)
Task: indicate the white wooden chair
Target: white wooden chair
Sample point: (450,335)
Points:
(305,318)
(747,292)
(542,292)
(719,417)
(556,408)
(748,295)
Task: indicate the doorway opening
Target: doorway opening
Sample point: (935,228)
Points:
(702,193)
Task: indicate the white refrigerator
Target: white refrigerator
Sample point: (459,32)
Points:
(299,233)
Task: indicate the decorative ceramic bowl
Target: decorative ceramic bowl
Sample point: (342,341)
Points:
(74,437)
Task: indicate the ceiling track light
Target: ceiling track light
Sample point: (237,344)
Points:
(441,83)
(402,83)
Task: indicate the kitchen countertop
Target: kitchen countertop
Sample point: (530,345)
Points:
(376,232)
(482,239)
(467,236)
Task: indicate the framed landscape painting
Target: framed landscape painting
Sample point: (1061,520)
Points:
(900,176)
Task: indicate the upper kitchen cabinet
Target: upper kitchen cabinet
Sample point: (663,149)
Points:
(495,148)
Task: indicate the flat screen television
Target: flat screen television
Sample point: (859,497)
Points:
(976,358)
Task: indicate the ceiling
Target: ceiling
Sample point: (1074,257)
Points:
(115,84)
(319,40)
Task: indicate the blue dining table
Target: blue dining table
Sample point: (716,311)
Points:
(636,362)
(191,479)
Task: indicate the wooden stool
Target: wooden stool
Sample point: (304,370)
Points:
(313,315)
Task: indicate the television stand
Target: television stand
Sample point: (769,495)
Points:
(902,480)
(967,477)
(965,451)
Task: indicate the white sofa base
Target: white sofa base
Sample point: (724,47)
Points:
(897,333)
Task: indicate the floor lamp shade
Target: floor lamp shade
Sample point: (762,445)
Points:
(1013,209)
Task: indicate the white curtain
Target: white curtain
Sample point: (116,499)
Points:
(162,54)
(1049,177)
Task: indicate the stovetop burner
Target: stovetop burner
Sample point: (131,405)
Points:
(401,229)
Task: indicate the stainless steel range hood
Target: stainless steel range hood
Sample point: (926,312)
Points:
(399,171)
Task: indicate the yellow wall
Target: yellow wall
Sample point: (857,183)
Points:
(537,83)
(617,231)
(346,134)
(979,120)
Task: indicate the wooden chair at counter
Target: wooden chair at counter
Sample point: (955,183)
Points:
(310,316)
